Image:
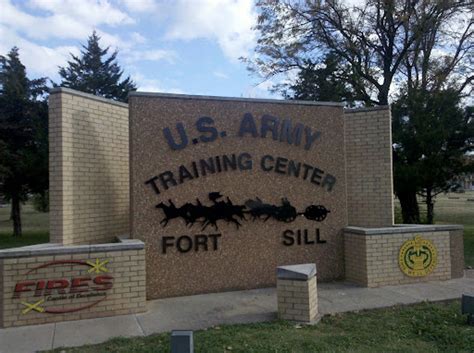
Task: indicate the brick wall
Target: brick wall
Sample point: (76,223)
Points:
(456,238)
(297,300)
(355,258)
(368,139)
(86,282)
(89,168)
(371,255)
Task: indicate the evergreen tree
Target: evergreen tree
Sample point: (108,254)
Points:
(93,72)
(321,81)
(432,134)
(23,135)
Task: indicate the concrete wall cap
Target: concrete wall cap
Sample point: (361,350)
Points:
(301,272)
(74,92)
(403,228)
(58,249)
(367,109)
(234,99)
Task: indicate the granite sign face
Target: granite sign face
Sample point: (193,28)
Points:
(225,190)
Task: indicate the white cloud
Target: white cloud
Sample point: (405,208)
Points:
(39,60)
(46,31)
(150,55)
(140,5)
(91,12)
(220,74)
(146,84)
(138,38)
(261,90)
(229,22)
(65,19)
(155,87)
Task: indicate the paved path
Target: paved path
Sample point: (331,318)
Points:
(201,311)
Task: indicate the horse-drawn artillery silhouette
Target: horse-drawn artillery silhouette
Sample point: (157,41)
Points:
(227,211)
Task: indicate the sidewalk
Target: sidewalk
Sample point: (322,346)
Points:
(202,311)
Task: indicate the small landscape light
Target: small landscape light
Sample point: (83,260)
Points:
(467,307)
(182,341)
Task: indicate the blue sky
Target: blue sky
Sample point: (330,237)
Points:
(178,46)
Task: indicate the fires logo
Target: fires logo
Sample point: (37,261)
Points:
(94,283)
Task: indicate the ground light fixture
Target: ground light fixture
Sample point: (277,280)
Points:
(182,341)
(467,307)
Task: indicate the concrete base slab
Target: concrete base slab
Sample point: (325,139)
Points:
(202,311)
(431,291)
(90,331)
(26,339)
(207,310)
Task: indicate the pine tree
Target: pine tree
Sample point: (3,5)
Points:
(93,72)
(23,135)
(320,81)
(432,133)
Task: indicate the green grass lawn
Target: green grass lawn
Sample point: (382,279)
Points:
(456,208)
(428,327)
(35,228)
(453,208)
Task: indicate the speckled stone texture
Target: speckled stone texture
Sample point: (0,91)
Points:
(246,257)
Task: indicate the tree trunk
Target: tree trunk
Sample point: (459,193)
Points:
(382,96)
(410,209)
(429,207)
(16,215)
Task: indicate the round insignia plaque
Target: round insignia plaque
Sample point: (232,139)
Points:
(418,257)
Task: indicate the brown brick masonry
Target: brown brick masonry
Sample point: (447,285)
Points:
(371,254)
(51,283)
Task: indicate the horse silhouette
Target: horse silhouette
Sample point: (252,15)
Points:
(222,210)
(170,212)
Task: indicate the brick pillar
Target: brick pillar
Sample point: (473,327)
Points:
(297,293)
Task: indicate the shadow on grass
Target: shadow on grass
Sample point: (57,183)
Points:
(29,237)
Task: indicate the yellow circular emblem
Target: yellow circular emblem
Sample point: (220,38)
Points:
(418,257)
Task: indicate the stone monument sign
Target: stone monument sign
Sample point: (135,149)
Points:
(225,190)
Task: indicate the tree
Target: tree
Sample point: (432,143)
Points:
(23,134)
(422,46)
(93,72)
(432,135)
(431,132)
(321,82)
(372,39)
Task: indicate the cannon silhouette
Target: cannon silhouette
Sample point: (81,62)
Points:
(316,213)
